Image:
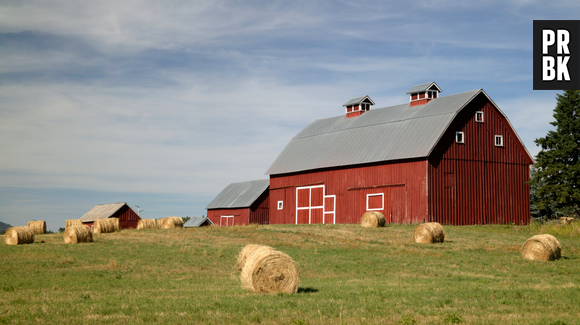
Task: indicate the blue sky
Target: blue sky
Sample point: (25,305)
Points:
(161,104)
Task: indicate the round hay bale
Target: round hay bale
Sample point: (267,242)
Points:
(247,250)
(542,248)
(116,224)
(146,224)
(19,235)
(268,270)
(38,227)
(73,222)
(160,222)
(429,232)
(172,222)
(566,220)
(372,219)
(104,226)
(78,234)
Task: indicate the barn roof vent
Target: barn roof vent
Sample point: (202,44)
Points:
(423,93)
(357,106)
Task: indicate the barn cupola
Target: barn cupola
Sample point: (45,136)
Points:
(424,93)
(357,106)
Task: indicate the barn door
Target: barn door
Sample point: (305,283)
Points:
(226,220)
(330,209)
(396,204)
(310,204)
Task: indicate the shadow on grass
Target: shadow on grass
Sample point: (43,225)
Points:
(307,290)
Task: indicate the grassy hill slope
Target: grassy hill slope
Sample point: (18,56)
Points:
(349,275)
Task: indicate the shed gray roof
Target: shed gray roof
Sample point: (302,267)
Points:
(239,195)
(357,100)
(390,133)
(102,211)
(422,88)
(196,222)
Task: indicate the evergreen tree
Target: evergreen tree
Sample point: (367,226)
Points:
(557,175)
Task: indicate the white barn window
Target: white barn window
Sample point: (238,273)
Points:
(459,137)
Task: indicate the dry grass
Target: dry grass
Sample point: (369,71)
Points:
(348,275)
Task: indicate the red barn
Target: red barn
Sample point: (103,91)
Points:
(128,219)
(240,204)
(453,159)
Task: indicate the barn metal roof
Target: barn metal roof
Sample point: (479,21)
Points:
(422,88)
(239,195)
(196,222)
(102,211)
(390,133)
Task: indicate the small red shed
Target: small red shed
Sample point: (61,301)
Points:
(241,204)
(128,219)
(453,159)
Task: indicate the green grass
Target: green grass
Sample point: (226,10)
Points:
(349,275)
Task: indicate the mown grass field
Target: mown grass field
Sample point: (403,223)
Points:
(349,275)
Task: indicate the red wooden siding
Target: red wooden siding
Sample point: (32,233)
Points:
(403,185)
(128,219)
(478,182)
(257,213)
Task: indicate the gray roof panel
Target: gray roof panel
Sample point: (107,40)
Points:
(422,88)
(239,195)
(357,100)
(391,133)
(102,211)
(196,222)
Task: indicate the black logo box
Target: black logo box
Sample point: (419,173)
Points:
(573,65)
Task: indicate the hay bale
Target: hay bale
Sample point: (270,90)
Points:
(372,219)
(38,227)
(542,248)
(160,222)
(73,222)
(566,220)
(247,250)
(147,224)
(104,226)
(429,232)
(78,234)
(116,224)
(172,222)
(19,235)
(268,270)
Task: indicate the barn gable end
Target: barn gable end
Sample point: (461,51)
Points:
(241,204)
(128,219)
(479,180)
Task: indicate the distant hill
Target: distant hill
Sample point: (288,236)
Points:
(3,227)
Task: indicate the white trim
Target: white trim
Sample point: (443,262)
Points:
(382,195)
(462,137)
(226,218)
(482,118)
(500,137)
(280,205)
